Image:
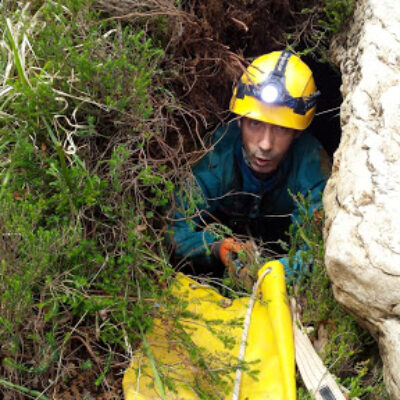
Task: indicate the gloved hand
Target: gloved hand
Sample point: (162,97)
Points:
(299,265)
(228,251)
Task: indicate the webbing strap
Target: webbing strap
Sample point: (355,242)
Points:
(315,375)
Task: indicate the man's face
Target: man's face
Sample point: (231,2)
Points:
(265,144)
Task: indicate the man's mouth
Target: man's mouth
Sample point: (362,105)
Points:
(261,162)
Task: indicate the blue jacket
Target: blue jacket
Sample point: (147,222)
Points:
(228,187)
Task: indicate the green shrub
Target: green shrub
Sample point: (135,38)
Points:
(317,24)
(77,250)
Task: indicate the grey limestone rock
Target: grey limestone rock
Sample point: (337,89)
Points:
(362,197)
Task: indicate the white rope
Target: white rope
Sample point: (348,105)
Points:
(242,349)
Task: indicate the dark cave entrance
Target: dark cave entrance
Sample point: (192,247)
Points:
(326,124)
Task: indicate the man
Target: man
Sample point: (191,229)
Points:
(255,166)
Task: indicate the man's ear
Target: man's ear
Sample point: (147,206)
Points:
(297,134)
(239,122)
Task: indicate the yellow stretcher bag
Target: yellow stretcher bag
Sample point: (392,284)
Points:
(211,320)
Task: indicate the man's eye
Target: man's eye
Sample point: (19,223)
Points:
(282,130)
(255,124)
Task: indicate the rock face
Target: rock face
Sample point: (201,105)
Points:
(362,197)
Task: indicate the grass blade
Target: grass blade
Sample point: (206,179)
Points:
(157,378)
(17,58)
(23,389)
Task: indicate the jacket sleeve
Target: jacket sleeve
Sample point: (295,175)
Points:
(189,236)
(313,169)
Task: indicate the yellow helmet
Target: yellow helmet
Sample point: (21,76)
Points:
(277,88)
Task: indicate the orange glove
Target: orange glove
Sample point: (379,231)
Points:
(228,253)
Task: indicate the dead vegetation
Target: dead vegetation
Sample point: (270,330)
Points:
(208,44)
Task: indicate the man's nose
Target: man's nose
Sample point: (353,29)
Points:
(266,139)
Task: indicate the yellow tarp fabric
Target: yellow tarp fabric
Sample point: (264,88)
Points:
(215,324)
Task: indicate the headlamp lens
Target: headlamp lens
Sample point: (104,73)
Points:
(269,93)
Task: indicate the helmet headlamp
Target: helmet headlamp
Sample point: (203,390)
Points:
(272,90)
(269,93)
